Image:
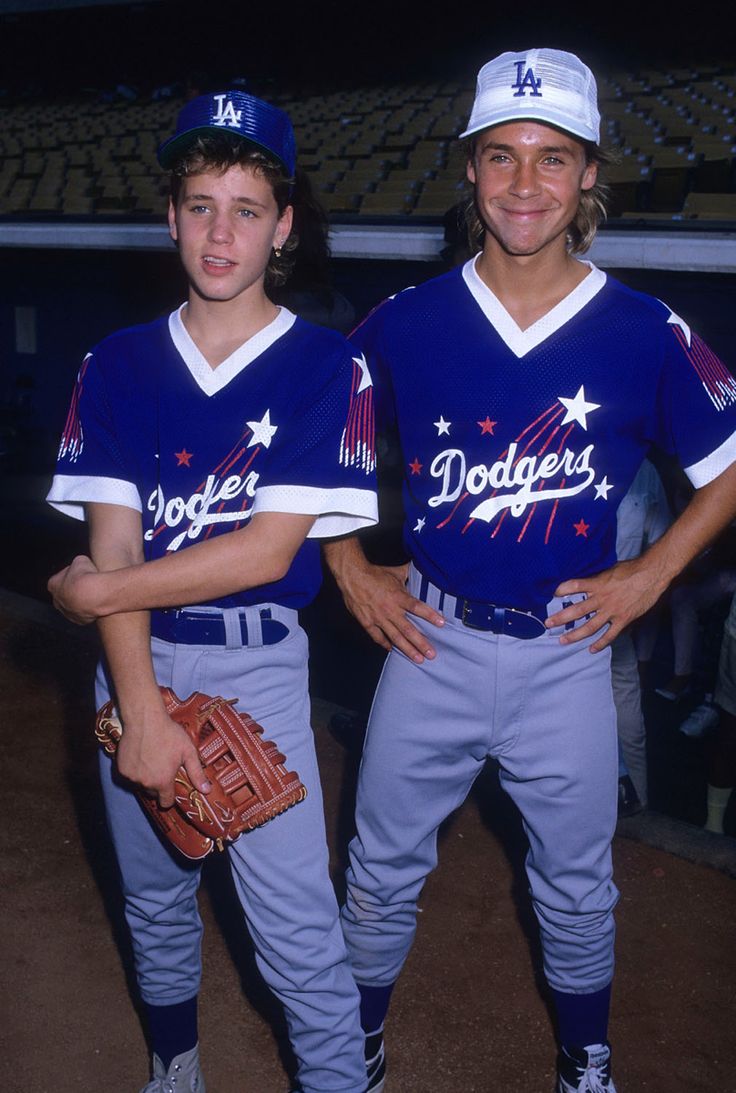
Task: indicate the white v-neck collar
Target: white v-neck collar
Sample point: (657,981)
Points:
(211,380)
(519,341)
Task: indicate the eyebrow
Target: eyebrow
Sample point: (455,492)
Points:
(235,201)
(547,149)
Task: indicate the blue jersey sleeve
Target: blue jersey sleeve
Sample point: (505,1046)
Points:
(697,400)
(368,341)
(322,460)
(91,466)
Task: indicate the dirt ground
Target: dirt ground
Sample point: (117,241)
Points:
(469,1013)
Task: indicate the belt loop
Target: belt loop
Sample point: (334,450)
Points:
(233,632)
(255,630)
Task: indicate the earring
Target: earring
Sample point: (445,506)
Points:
(277,250)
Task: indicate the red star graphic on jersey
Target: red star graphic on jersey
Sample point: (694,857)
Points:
(416,466)
(183,457)
(487,426)
(581,528)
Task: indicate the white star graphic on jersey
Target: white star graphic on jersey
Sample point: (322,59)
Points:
(420,523)
(365,378)
(442,426)
(675,320)
(577,408)
(263,431)
(602,488)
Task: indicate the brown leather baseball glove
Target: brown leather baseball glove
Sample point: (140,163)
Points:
(250,784)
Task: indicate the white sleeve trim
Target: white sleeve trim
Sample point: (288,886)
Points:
(69,493)
(705,470)
(338,511)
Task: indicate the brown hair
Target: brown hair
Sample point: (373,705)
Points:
(590,214)
(220,152)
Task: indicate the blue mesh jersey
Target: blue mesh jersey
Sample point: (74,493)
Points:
(518,445)
(285,424)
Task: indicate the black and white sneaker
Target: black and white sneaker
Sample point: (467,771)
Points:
(585,1070)
(375,1061)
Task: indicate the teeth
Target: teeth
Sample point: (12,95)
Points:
(217,261)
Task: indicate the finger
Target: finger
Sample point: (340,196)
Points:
(166,798)
(423,611)
(572,613)
(569,588)
(196,773)
(410,641)
(606,639)
(390,637)
(580,633)
(72,616)
(375,632)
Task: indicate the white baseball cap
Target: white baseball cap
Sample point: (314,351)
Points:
(544,85)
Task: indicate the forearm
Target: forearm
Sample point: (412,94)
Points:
(152,747)
(344,556)
(711,509)
(378,598)
(621,594)
(257,555)
(126,638)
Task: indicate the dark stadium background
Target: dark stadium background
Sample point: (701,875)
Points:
(82,295)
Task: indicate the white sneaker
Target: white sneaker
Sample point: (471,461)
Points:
(375,1061)
(183,1076)
(704,717)
(585,1070)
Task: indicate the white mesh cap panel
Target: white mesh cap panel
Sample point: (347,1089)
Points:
(544,85)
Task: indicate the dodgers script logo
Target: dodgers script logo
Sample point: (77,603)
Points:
(226,113)
(517,481)
(196,511)
(549,461)
(526,80)
(223,497)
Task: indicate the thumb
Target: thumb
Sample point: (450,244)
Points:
(196,772)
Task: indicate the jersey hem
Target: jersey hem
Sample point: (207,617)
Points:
(707,469)
(339,511)
(70,493)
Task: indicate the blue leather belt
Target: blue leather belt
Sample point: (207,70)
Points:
(183,627)
(499,620)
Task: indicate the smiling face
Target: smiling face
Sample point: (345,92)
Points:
(528,179)
(225,224)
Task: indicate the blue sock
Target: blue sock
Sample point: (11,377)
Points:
(172,1029)
(373,1005)
(582,1019)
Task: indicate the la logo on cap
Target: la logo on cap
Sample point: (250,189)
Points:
(226,112)
(526,80)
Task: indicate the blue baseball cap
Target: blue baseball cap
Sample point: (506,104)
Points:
(257,122)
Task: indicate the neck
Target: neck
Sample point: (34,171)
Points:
(219,327)
(529,286)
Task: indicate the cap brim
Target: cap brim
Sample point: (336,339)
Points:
(528,117)
(175,147)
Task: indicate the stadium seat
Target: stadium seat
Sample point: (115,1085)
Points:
(710,206)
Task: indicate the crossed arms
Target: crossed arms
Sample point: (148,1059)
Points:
(116,587)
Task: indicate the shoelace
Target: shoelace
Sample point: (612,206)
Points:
(163,1085)
(592,1080)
